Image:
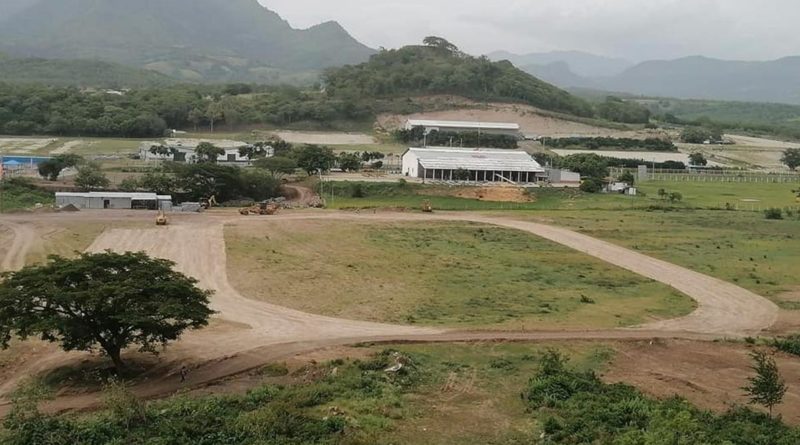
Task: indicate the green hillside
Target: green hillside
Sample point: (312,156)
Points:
(210,40)
(82,73)
(419,70)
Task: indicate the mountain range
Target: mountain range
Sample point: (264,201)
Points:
(195,40)
(694,77)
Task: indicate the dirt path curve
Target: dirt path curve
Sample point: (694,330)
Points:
(267,332)
(21,244)
(302,196)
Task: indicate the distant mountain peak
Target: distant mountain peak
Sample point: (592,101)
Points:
(229,36)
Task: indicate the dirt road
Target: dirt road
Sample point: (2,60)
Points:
(261,332)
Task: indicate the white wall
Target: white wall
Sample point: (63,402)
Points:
(410,165)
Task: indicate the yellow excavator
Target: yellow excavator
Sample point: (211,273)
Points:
(161,218)
(210,202)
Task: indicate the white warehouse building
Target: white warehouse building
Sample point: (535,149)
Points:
(478,165)
(498,128)
(115,200)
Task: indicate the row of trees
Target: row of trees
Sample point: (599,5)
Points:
(142,113)
(89,176)
(417,137)
(195,182)
(596,143)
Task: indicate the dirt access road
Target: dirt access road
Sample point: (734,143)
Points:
(256,333)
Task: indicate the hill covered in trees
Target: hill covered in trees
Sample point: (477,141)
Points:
(83,73)
(193,40)
(438,67)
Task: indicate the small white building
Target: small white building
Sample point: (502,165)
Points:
(476,165)
(183,150)
(115,200)
(499,128)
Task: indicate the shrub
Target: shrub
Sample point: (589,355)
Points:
(789,345)
(773,213)
(592,185)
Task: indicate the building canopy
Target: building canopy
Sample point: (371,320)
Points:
(476,159)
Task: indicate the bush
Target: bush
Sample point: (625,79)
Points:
(773,213)
(592,185)
(789,345)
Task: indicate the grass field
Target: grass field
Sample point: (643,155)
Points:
(739,247)
(742,196)
(447,274)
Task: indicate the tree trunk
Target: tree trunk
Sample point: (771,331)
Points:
(116,356)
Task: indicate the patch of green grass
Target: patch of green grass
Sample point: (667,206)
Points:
(339,195)
(441,274)
(19,194)
(741,195)
(738,247)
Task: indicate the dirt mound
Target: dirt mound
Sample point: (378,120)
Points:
(495,194)
(69,208)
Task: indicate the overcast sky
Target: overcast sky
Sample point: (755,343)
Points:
(634,29)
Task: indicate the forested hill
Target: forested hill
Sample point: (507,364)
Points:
(82,73)
(440,68)
(193,40)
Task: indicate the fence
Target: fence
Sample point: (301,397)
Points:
(712,176)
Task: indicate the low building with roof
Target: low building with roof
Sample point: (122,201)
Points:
(472,165)
(114,200)
(499,128)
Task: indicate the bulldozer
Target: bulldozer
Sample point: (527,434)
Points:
(161,219)
(262,208)
(427,207)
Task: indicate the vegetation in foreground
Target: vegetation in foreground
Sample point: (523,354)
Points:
(452,274)
(443,394)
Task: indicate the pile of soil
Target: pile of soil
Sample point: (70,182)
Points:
(69,208)
(495,194)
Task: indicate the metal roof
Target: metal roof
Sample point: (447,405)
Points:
(112,195)
(479,159)
(463,124)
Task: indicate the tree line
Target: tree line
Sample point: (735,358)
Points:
(596,143)
(143,113)
(417,137)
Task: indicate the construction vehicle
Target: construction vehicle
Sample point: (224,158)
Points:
(262,208)
(427,207)
(161,219)
(210,202)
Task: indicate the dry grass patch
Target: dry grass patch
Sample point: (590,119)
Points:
(440,274)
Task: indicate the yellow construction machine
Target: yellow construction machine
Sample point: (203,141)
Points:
(161,219)
(210,202)
(427,207)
